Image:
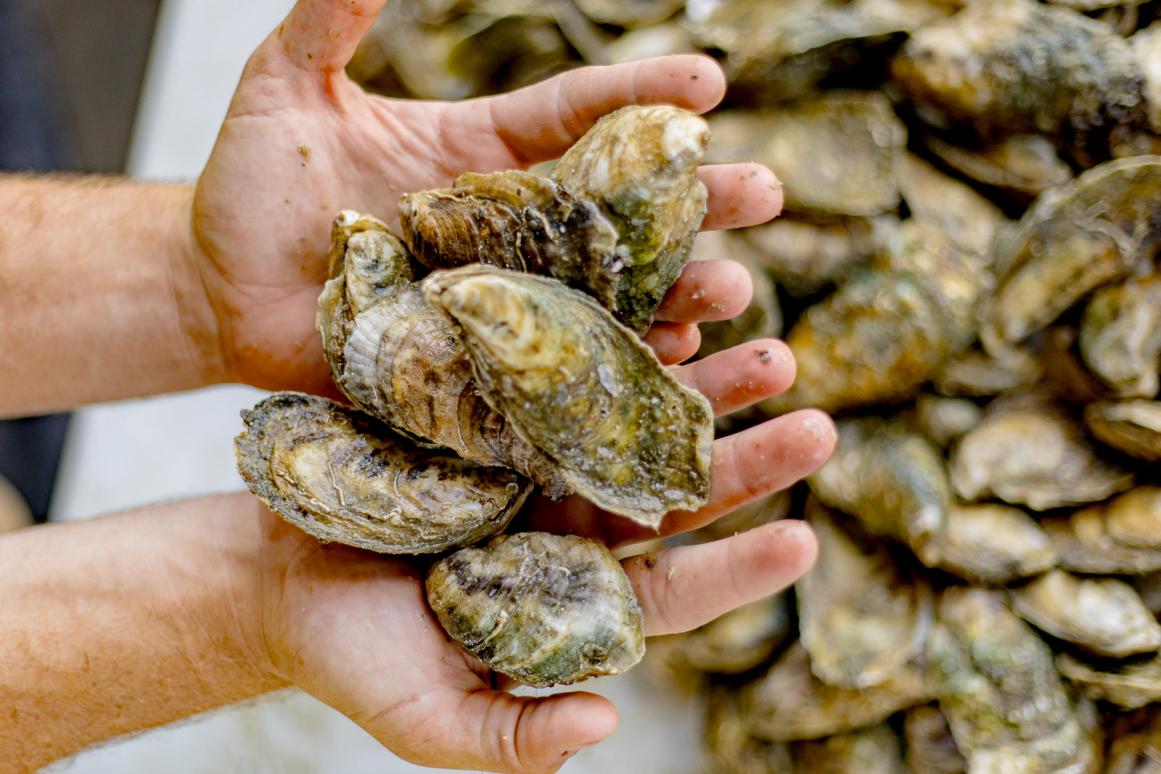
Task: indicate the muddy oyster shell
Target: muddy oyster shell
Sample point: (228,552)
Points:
(875,749)
(1101,615)
(1133,426)
(1130,684)
(397,358)
(993,544)
(616,219)
(543,609)
(862,616)
(1122,536)
(343,477)
(835,154)
(892,480)
(1029,452)
(1075,237)
(1004,701)
(582,389)
(1120,336)
(930,746)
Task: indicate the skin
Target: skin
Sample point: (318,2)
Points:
(112,289)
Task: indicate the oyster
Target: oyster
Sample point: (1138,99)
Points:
(788,702)
(1004,701)
(862,615)
(1029,452)
(835,154)
(1023,164)
(1075,237)
(1147,46)
(892,480)
(1010,66)
(343,477)
(1133,427)
(970,219)
(1130,684)
(874,750)
(616,219)
(1103,616)
(582,389)
(397,358)
(994,544)
(737,641)
(733,749)
(629,13)
(930,746)
(805,257)
(543,609)
(889,328)
(647,42)
(976,373)
(943,420)
(1135,743)
(1122,536)
(1120,337)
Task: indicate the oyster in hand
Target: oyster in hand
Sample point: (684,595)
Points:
(543,609)
(343,477)
(582,389)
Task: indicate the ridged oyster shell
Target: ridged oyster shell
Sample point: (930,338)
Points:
(617,218)
(543,609)
(343,477)
(582,389)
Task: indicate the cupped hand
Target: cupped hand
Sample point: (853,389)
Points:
(302,141)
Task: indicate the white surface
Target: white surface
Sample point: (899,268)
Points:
(132,453)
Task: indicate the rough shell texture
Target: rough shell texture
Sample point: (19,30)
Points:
(542,609)
(1133,427)
(397,358)
(1129,684)
(1122,536)
(789,702)
(1031,453)
(1007,66)
(993,544)
(835,155)
(890,328)
(1075,237)
(582,389)
(1120,336)
(930,746)
(875,749)
(892,480)
(862,615)
(343,477)
(1104,616)
(997,685)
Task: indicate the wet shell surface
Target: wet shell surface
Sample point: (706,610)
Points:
(343,477)
(582,389)
(543,609)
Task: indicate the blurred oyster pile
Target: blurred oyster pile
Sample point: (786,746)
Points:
(967,273)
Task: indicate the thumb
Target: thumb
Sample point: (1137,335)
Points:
(321,35)
(502,732)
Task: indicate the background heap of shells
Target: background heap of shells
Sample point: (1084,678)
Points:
(967,274)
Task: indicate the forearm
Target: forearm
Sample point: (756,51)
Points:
(99,298)
(127,622)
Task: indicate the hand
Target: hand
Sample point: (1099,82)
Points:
(301,142)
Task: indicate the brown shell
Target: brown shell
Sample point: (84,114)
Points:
(343,477)
(991,543)
(875,749)
(930,746)
(1132,426)
(1120,336)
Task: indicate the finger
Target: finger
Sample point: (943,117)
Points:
(741,376)
(321,35)
(541,121)
(673,343)
(683,588)
(707,290)
(746,466)
(496,731)
(740,195)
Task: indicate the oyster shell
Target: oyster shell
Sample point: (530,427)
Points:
(397,358)
(874,750)
(1133,427)
(1029,452)
(862,615)
(1103,616)
(647,42)
(930,746)
(735,642)
(582,389)
(892,480)
(754,514)
(1075,237)
(805,257)
(1129,684)
(1121,536)
(1010,66)
(1023,164)
(997,685)
(543,609)
(1120,337)
(1147,47)
(629,13)
(835,154)
(994,544)
(943,420)
(1135,743)
(889,328)
(788,702)
(733,749)
(970,219)
(343,477)
(976,373)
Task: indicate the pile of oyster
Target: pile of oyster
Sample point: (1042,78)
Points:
(493,349)
(967,273)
